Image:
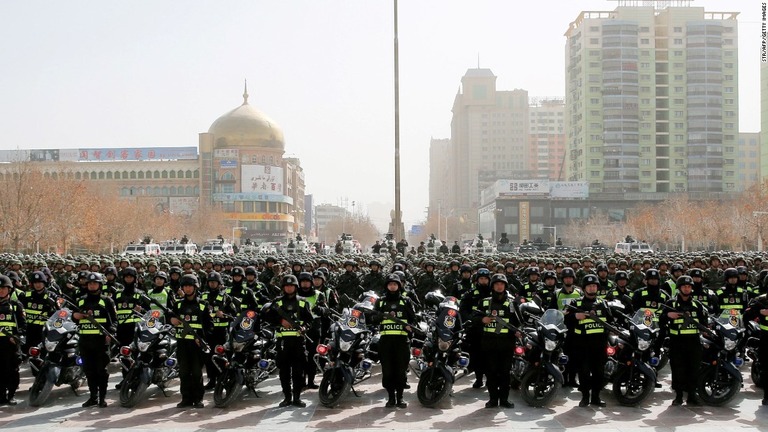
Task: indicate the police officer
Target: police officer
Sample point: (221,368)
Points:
(498,341)
(12,327)
(291,315)
(591,338)
(38,306)
(758,310)
(191,335)
(469,303)
(348,286)
(319,308)
(161,293)
(731,295)
(97,313)
(374,280)
(240,292)
(682,319)
(394,347)
(222,310)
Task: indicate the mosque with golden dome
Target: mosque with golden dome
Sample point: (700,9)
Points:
(239,165)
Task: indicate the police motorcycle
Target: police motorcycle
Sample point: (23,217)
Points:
(343,358)
(61,364)
(247,358)
(149,359)
(441,361)
(719,376)
(752,347)
(633,376)
(539,359)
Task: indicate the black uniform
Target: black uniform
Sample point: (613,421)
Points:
(38,307)
(685,350)
(291,352)
(470,302)
(12,325)
(394,345)
(189,351)
(497,344)
(217,300)
(591,339)
(753,313)
(94,344)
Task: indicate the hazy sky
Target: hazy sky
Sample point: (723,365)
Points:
(157,73)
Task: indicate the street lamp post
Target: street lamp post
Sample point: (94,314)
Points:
(237,228)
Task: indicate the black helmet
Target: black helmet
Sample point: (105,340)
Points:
(696,272)
(289,280)
(621,275)
(730,272)
(95,277)
(317,274)
(83,274)
(251,270)
(349,262)
(305,276)
(398,267)
(601,267)
(162,275)
(532,271)
(434,298)
(483,272)
(684,280)
(189,280)
(374,262)
(500,278)
(238,271)
(110,270)
(549,274)
(38,276)
(652,274)
(214,276)
(129,271)
(465,268)
(589,279)
(5,281)
(567,272)
(175,269)
(395,278)
(741,270)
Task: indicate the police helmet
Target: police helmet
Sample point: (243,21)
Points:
(652,274)
(289,280)
(38,276)
(621,275)
(162,275)
(189,280)
(589,279)
(215,276)
(567,272)
(95,277)
(730,273)
(238,271)
(500,278)
(305,276)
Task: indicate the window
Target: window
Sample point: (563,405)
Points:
(141,174)
(594,41)
(644,41)
(644,29)
(677,29)
(156,174)
(677,41)
(678,78)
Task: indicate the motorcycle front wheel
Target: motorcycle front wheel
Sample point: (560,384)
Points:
(631,386)
(538,387)
(132,389)
(717,387)
(40,389)
(228,388)
(432,388)
(333,387)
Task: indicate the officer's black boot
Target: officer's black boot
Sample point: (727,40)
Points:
(297,402)
(678,398)
(92,401)
(693,399)
(3,397)
(596,399)
(286,401)
(391,401)
(478,380)
(584,399)
(765,397)
(400,402)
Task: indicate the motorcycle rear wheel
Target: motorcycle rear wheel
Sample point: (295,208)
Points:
(333,387)
(40,389)
(538,387)
(433,387)
(228,388)
(716,387)
(132,389)
(631,386)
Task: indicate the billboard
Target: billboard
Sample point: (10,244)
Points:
(262,179)
(226,153)
(571,189)
(232,197)
(130,154)
(523,187)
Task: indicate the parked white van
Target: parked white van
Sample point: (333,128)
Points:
(142,249)
(624,248)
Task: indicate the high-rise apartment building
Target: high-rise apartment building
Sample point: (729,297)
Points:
(747,160)
(489,139)
(439,172)
(652,99)
(547,138)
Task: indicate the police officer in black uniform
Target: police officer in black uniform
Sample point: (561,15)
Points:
(12,327)
(758,310)
(191,336)
(394,346)
(94,343)
(498,341)
(222,310)
(38,306)
(291,315)
(129,301)
(469,303)
(682,318)
(591,338)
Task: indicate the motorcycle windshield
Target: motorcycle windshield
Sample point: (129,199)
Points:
(352,322)
(60,323)
(152,322)
(553,319)
(730,319)
(243,328)
(645,317)
(447,323)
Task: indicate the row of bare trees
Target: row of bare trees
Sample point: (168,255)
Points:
(57,214)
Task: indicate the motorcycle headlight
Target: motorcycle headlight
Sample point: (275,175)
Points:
(50,346)
(643,345)
(344,346)
(729,344)
(443,345)
(550,345)
(142,346)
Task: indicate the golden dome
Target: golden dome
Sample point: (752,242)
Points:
(245,126)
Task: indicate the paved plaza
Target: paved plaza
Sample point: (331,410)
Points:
(464,411)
